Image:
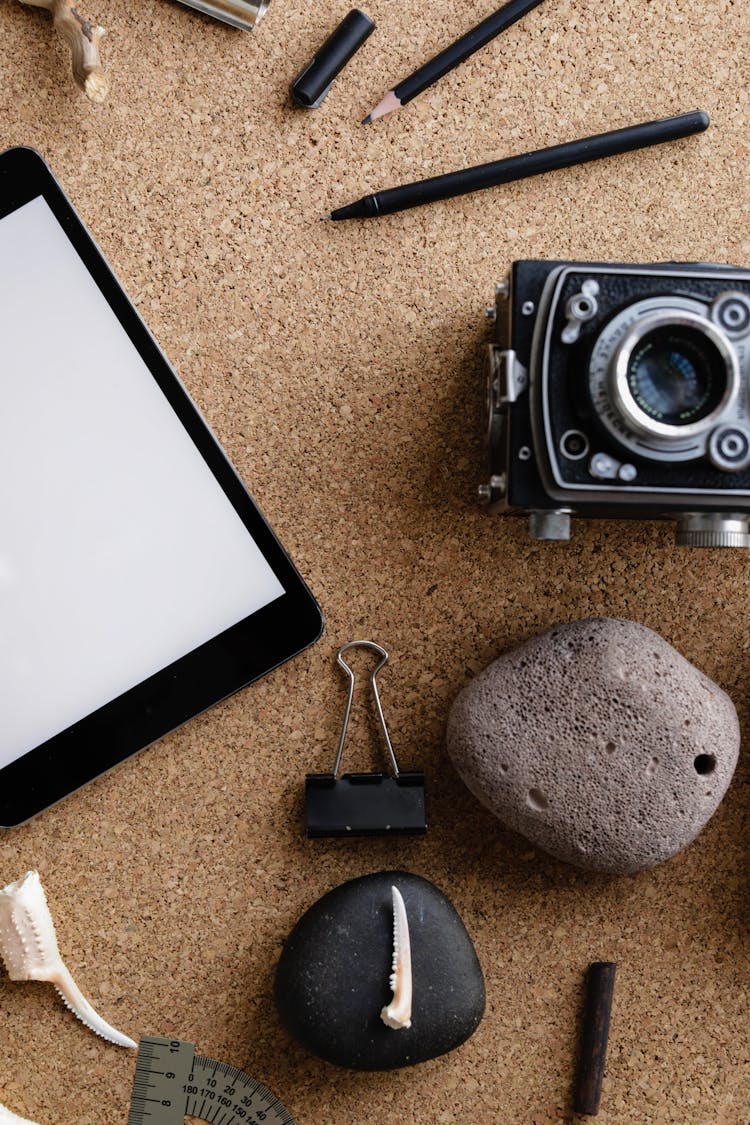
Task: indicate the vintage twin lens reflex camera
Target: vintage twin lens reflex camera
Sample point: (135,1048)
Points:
(621,391)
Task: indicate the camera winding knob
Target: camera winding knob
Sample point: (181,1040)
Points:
(713,529)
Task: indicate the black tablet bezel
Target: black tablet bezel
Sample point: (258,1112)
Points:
(209,673)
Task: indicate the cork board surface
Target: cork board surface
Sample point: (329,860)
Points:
(338,365)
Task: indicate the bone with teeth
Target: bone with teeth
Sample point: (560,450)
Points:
(8,1118)
(28,945)
(82,36)
(397,1014)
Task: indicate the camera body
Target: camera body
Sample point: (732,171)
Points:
(621,391)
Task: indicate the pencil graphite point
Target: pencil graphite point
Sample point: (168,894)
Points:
(388,104)
(366,120)
(454,54)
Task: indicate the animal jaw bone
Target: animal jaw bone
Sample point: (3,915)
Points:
(28,945)
(397,1014)
(8,1118)
(82,37)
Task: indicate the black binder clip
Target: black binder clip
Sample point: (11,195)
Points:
(365,804)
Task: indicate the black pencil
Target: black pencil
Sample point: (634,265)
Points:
(462,49)
(524,165)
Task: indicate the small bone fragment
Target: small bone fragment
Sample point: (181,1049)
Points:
(8,1118)
(28,945)
(82,36)
(397,1014)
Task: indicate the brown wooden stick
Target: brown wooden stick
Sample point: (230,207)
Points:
(82,37)
(601,987)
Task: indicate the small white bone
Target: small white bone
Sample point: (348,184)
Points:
(397,1014)
(8,1118)
(28,945)
(82,36)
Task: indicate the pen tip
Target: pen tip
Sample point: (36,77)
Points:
(366,120)
(325,218)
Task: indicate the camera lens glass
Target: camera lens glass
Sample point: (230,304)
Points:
(677,375)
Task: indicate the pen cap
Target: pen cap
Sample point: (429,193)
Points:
(314,82)
(243,14)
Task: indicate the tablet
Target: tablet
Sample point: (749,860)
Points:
(139,584)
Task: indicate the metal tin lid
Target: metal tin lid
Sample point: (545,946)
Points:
(243,14)
(313,83)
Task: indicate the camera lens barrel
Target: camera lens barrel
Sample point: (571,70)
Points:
(674,375)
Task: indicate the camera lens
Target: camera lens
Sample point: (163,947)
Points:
(662,376)
(677,375)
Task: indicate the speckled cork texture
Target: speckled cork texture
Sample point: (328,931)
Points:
(339,366)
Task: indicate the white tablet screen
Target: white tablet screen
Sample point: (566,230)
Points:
(119,552)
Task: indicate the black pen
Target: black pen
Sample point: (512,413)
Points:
(456,53)
(524,165)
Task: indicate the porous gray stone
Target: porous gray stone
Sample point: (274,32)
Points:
(598,742)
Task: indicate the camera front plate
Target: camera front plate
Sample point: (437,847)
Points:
(571,407)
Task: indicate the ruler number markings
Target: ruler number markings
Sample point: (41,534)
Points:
(188,1084)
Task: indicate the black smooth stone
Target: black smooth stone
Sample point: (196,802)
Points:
(333,975)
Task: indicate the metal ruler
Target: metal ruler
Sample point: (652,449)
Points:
(172,1081)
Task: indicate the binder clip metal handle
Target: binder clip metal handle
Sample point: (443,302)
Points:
(365,804)
(375,695)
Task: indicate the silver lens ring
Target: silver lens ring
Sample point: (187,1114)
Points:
(622,396)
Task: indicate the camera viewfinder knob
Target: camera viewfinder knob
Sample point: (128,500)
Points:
(731,311)
(729,447)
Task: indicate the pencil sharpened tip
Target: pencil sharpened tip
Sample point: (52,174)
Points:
(366,120)
(386,105)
